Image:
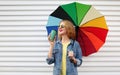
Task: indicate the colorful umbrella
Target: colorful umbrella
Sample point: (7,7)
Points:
(91,28)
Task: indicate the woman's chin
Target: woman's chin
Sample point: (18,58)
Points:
(62,34)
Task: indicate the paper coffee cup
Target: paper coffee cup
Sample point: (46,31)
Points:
(52,35)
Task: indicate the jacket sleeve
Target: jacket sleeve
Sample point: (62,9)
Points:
(52,59)
(78,55)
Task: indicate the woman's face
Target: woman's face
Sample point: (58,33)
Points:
(62,29)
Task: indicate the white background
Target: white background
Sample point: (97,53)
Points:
(24,45)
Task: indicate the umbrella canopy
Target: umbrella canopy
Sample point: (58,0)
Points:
(91,28)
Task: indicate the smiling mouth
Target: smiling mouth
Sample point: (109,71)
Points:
(60,30)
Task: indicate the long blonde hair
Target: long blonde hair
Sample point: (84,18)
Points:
(70,30)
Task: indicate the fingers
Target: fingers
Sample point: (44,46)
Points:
(70,54)
(51,42)
(49,37)
(55,38)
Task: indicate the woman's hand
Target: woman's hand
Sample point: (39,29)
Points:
(71,56)
(51,42)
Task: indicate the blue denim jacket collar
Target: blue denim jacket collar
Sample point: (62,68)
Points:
(71,42)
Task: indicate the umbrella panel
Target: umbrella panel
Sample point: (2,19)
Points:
(82,9)
(60,13)
(53,21)
(50,28)
(90,15)
(98,32)
(70,9)
(86,45)
(96,42)
(98,22)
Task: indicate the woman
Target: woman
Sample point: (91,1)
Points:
(65,53)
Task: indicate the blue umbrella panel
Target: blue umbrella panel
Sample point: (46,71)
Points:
(53,23)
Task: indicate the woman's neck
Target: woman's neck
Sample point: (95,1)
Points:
(65,39)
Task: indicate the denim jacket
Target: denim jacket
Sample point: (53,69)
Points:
(71,68)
